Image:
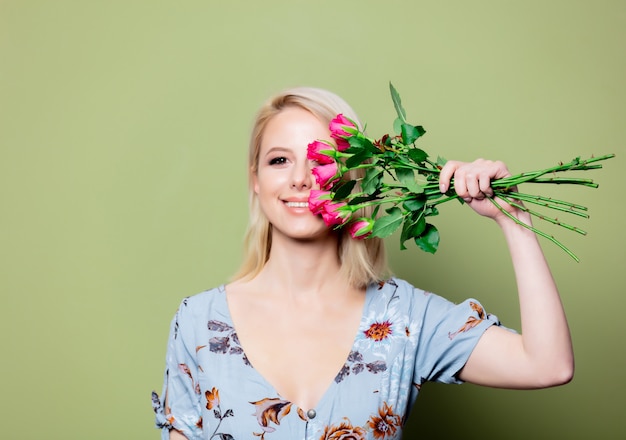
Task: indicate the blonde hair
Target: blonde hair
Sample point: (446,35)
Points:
(362,261)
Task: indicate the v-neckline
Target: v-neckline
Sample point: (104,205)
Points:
(330,387)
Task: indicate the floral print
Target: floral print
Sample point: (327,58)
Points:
(385,424)
(268,411)
(356,365)
(406,337)
(344,431)
(213,403)
(212,398)
(227,344)
(187,372)
(384,327)
(378,331)
(472,321)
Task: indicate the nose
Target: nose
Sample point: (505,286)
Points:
(302,178)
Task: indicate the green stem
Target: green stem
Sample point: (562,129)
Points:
(535,230)
(540,216)
(546,202)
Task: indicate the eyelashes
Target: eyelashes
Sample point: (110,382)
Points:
(280,160)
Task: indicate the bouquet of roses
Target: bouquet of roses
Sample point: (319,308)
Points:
(399,175)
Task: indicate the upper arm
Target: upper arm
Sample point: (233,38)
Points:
(500,360)
(495,361)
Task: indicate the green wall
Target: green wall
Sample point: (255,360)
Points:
(123,128)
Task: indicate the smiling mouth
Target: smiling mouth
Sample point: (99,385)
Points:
(297,204)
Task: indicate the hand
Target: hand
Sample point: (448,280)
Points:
(472,182)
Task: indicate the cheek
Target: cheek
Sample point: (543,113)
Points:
(270,181)
(262,181)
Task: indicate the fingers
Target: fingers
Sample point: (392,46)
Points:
(472,180)
(446,174)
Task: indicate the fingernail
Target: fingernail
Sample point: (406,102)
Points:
(442,188)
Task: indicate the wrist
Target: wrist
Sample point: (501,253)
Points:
(506,223)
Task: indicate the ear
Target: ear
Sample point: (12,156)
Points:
(255,180)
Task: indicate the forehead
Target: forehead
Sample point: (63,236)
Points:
(292,127)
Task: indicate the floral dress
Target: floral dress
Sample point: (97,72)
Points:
(406,336)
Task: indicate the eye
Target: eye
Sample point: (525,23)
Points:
(280,160)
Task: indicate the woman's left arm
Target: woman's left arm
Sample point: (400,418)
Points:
(541,356)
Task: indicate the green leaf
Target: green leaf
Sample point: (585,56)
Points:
(407,177)
(410,133)
(397,103)
(414,204)
(358,159)
(431,210)
(404,235)
(428,241)
(359,143)
(363,199)
(372,179)
(397,126)
(412,227)
(387,225)
(417,155)
(404,174)
(344,190)
(354,149)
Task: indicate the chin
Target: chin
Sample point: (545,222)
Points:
(309,234)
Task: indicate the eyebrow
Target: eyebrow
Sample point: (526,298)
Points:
(277,149)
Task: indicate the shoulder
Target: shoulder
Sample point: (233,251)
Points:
(195,312)
(200,306)
(399,297)
(204,297)
(416,301)
(400,290)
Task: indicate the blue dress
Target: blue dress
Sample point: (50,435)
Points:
(406,337)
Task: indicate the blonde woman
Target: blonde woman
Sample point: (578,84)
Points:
(311,340)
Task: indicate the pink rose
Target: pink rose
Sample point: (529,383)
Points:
(317,200)
(316,149)
(326,175)
(333,215)
(361,228)
(341,128)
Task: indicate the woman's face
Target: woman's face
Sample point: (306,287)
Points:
(283,179)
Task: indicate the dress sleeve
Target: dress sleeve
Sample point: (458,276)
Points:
(179,405)
(448,336)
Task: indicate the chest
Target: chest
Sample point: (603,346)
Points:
(364,401)
(361,387)
(299,351)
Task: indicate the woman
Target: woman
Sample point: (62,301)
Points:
(274,354)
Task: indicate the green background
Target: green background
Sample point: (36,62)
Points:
(123,132)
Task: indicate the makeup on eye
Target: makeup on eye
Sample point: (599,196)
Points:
(278,160)
(278,156)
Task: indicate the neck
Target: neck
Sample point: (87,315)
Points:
(301,268)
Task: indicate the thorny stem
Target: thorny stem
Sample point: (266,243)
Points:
(535,230)
(556,205)
(540,216)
